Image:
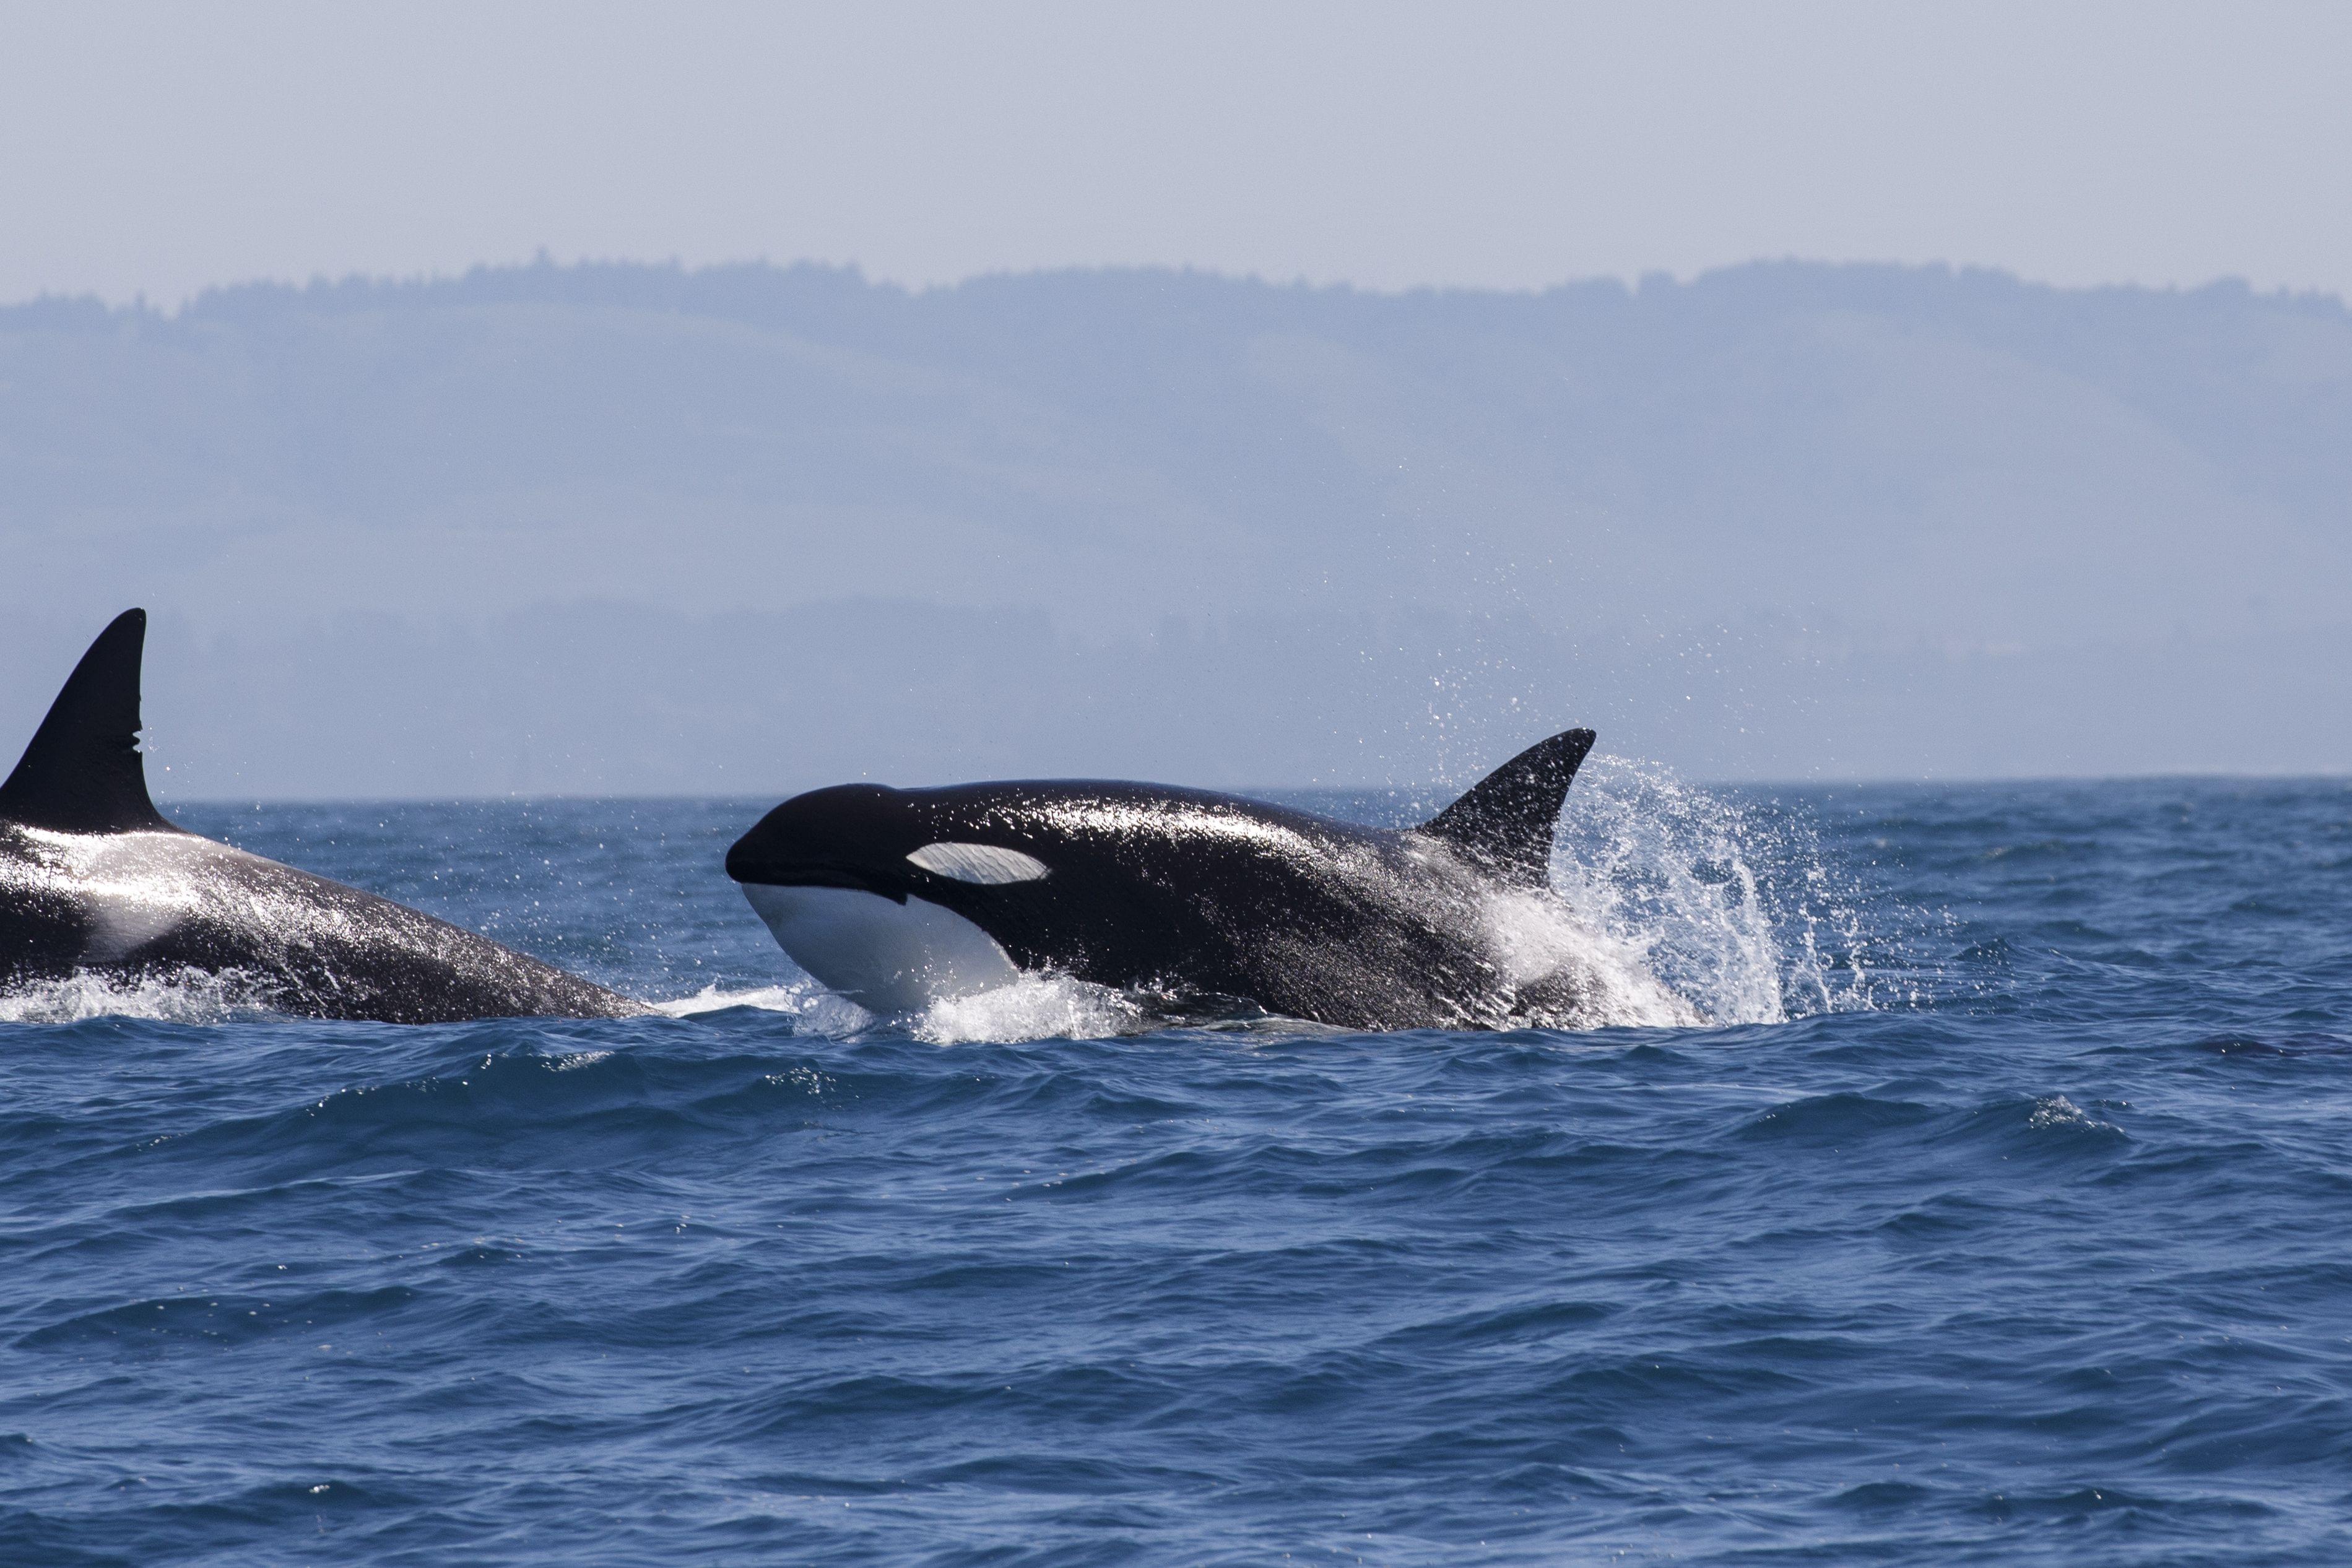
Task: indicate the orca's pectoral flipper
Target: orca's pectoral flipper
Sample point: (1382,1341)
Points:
(82,773)
(1505,820)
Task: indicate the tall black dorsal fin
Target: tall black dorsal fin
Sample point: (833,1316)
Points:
(83,774)
(1505,820)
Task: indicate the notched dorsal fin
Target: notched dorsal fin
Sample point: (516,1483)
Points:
(1505,820)
(82,773)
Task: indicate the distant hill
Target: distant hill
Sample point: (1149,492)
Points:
(629,527)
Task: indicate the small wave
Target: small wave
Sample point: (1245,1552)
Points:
(766,999)
(2057,1111)
(179,996)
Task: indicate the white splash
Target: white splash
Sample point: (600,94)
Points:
(1535,936)
(1714,900)
(187,996)
(1034,1006)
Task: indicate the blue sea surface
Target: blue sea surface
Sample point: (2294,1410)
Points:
(2000,1211)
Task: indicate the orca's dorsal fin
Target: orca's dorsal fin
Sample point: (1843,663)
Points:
(82,773)
(1505,820)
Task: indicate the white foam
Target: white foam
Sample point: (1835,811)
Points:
(185,996)
(1033,1007)
(2057,1111)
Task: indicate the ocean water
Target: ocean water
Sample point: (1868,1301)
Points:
(1987,1197)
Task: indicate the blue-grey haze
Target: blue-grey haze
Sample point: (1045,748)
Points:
(629,528)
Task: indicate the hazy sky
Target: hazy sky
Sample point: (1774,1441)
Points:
(160,147)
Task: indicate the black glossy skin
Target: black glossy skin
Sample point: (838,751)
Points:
(94,880)
(1184,891)
(164,902)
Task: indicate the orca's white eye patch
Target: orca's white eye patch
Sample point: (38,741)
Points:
(985,864)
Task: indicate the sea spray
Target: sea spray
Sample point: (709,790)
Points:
(1734,908)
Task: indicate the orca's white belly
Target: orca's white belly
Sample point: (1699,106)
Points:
(887,956)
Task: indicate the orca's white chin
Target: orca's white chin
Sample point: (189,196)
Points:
(887,956)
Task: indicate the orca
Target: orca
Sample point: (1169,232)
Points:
(900,898)
(94,879)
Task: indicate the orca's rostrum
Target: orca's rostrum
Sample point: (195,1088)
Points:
(898,898)
(93,879)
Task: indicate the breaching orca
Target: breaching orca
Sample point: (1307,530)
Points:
(897,898)
(93,878)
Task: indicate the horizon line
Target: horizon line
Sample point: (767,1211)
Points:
(1259,792)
